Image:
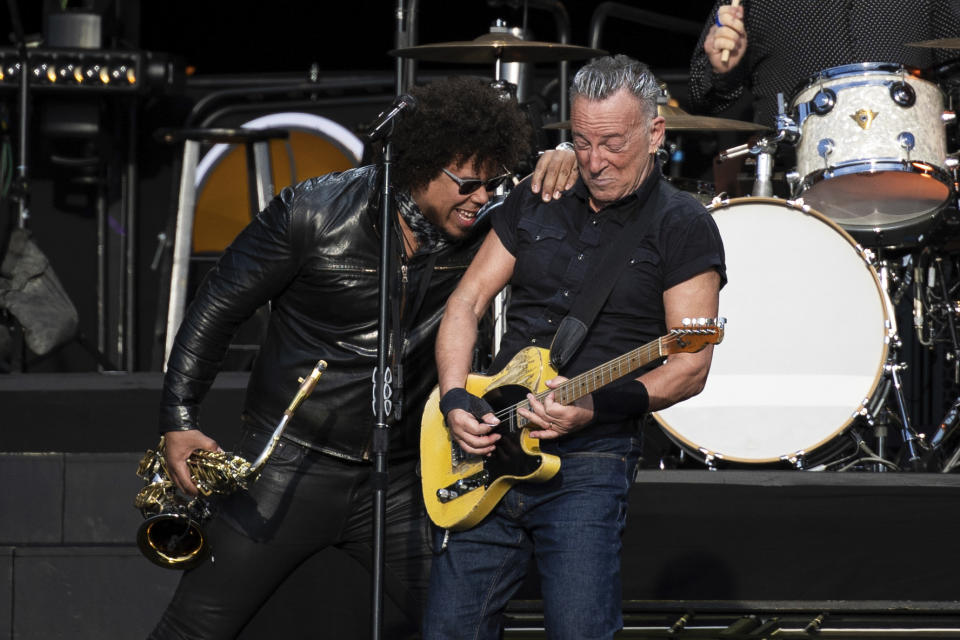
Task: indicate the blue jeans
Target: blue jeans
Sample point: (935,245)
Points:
(571,526)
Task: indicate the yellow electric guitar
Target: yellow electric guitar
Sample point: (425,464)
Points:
(459,489)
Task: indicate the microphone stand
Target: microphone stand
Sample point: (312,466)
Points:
(381,399)
(382,376)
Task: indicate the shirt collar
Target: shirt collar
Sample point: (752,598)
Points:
(620,210)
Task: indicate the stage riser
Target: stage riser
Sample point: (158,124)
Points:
(69,568)
(103,413)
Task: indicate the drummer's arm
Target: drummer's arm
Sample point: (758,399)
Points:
(716,85)
(683,375)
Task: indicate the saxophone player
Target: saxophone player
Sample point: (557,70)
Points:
(313,254)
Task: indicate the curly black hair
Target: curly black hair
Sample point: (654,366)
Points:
(456,119)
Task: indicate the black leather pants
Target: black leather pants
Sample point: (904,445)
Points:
(303,502)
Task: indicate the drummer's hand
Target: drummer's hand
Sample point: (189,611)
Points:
(556,171)
(732,37)
(179,445)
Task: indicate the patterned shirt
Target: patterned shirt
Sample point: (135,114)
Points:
(789,42)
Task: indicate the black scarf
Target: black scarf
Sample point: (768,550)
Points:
(429,238)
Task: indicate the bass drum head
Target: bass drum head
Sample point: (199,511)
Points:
(805,343)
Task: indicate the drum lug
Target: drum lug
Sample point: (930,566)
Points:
(868,255)
(796,460)
(823,101)
(948,116)
(825,147)
(903,94)
(907,141)
(709,459)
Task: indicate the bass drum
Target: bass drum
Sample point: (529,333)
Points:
(806,343)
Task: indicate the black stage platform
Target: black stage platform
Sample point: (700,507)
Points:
(730,553)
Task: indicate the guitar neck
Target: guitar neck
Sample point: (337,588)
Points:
(693,336)
(600,376)
(589,381)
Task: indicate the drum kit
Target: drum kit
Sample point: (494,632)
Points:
(810,375)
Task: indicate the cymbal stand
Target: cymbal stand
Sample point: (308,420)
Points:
(892,383)
(932,307)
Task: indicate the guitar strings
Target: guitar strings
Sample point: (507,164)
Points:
(639,352)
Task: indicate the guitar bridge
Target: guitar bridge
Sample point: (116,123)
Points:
(462,486)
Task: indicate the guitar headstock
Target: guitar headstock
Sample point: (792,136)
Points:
(694,335)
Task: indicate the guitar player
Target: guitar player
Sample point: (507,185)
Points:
(671,267)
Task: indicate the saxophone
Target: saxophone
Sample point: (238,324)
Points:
(172,534)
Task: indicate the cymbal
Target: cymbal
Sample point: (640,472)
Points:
(679,120)
(491,47)
(942,43)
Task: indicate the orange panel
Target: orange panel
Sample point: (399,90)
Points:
(223,204)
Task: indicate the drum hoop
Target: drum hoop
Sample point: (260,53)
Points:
(859,68)
(878,165)
(889,322)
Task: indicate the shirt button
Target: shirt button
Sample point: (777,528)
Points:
(580,257)
(566,293)
(595,222)
(533,341)
(549,320)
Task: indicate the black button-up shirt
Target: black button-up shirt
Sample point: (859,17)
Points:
(557,243)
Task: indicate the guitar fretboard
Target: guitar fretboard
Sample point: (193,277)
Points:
(589,381)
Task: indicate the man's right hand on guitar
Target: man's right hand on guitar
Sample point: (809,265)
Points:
(470,421)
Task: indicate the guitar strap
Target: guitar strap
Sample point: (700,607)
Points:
(573,328)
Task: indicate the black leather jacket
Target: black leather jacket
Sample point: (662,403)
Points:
(313,253)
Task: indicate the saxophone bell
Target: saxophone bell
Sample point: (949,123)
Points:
(172,534)
(173,541)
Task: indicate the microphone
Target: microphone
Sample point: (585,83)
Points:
(948,421)
(383,125)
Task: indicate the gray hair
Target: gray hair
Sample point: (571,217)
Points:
(605,76)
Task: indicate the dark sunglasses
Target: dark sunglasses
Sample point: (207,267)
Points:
(470,185)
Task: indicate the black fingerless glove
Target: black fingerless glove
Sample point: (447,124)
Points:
(620,402)
(460,398)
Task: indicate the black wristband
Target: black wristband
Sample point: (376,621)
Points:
(460,398)
(623,401)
